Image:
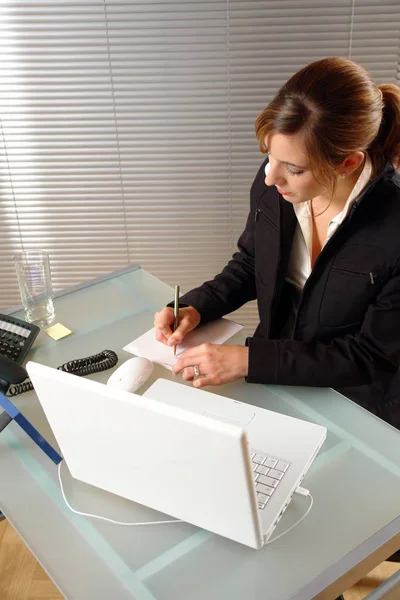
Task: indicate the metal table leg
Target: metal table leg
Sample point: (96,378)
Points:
(388,590)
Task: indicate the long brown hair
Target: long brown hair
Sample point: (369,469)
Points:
(337,108)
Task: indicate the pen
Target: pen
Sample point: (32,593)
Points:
(176,312)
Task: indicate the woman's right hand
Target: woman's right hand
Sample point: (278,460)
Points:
(189,318)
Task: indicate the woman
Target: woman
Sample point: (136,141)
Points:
(321,247)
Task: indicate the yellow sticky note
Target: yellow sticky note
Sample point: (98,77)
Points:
(57,331)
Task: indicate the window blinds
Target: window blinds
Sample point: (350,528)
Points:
(127,128)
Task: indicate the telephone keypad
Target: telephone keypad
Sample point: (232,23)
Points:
(16,337)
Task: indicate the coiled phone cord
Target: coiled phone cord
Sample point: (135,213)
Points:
(92,364)
(80,366)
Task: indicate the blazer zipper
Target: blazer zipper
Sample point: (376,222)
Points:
(258,211)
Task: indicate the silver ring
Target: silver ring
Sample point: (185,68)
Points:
(196,371)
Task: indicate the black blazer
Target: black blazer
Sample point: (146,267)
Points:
(347,329)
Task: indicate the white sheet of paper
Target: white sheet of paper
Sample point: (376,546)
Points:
(214,332)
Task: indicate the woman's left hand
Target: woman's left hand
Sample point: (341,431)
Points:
(216,364)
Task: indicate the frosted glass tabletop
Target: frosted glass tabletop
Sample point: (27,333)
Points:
(355,482)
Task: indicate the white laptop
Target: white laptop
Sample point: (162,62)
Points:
(222,465)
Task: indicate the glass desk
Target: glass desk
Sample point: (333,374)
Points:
(355,481)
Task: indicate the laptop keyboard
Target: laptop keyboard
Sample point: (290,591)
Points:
(268,474)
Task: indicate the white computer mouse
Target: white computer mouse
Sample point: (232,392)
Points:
(132,374)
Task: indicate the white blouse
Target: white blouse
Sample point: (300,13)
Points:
(299,267)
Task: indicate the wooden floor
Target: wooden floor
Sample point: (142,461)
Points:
(21,577)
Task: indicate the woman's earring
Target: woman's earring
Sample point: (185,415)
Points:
(342,175)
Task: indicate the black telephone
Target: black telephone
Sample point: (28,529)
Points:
(16,339)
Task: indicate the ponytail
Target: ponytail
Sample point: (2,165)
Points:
(386,145)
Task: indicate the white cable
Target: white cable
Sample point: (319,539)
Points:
(294,524)
(83,514)
(302,491)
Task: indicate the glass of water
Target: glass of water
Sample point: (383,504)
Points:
(34,280)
